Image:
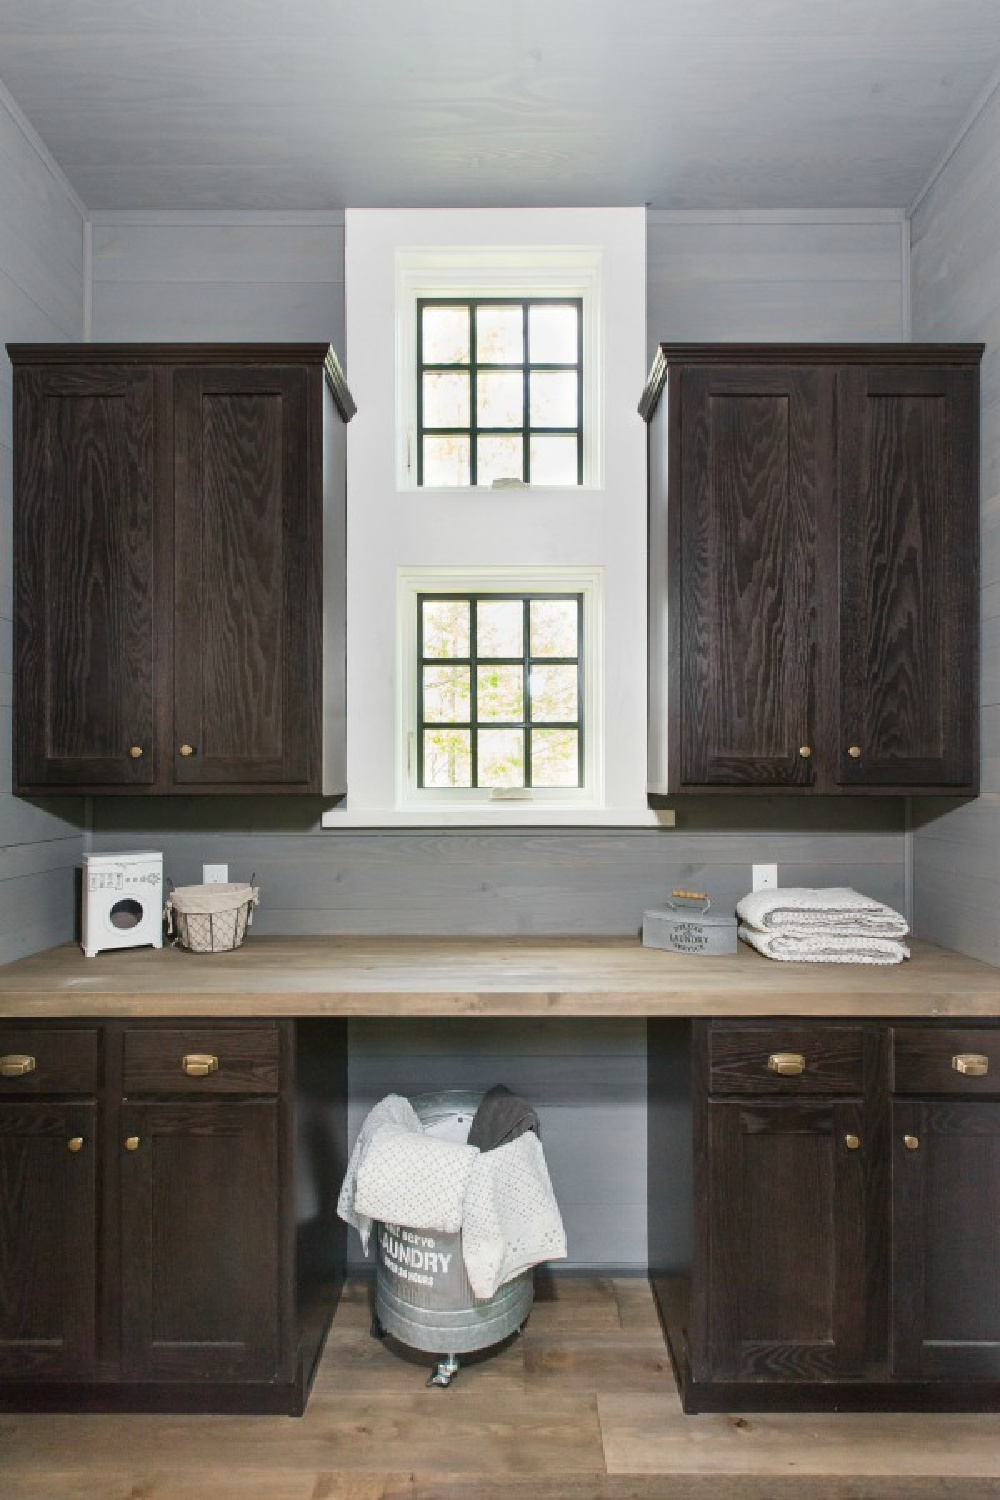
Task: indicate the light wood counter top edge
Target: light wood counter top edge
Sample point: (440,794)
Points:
(489,977)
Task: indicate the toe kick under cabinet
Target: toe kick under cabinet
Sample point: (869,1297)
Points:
(168,1235)
(846,1214)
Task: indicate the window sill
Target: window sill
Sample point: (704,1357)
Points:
(498,817)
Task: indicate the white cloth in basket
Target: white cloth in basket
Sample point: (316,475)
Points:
(511,1220)
(413,1179)
(392,1110)
(833,909)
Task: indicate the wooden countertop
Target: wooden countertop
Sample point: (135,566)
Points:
(310,976)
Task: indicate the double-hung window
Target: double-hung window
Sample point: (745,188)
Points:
(500,391)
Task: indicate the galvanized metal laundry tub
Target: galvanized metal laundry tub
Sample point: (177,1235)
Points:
(422,1292)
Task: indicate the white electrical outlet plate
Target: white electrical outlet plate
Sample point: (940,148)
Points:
(215,874)
(765,877)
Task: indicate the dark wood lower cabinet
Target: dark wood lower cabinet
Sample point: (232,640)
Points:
(846,1216)
(170,1243)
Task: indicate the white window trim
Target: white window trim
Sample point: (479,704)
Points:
(411,582)
(498,271)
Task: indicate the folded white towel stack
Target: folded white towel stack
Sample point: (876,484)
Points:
(832,924)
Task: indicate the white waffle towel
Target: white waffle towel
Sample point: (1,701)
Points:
(512,1220)
(825,947)
(836,910)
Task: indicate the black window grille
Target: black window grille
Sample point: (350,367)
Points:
(500,690)
(499,391)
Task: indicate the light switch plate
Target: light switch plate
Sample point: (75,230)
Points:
(215,874)
(765,877)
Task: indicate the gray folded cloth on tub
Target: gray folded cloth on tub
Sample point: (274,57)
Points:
(832,909)
(501,1118)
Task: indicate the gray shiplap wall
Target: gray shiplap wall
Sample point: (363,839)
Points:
(715,276)
(956,295)
(42,296)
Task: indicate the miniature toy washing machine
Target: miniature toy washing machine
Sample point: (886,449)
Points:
(122,901)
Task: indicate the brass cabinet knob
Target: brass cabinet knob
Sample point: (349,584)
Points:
(199,1064)
(911,1142)
(972,1064)
(131,1143)
(75,1143)
(854,751)
(187,750)
(805,751)
(16,1064)
(852,1142)
(788,1064)
(136,752)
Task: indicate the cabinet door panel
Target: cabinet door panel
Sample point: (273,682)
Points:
(908,508)
(48,1228)
(787,1240)
(200,1240)
(84,577)
(750,463)
(246,609)
(946,1240)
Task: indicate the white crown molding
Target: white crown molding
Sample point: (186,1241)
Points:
(979,105)
(24,125)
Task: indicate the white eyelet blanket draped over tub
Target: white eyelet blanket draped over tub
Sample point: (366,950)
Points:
(831,924)
(501,1200)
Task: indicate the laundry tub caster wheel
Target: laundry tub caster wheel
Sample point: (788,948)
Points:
(376,1330)
(444,1372)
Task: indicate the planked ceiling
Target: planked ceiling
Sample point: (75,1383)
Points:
(319,104)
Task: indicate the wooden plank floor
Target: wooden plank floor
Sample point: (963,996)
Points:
(582,1407)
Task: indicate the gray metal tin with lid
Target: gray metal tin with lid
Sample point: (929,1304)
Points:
(684,925)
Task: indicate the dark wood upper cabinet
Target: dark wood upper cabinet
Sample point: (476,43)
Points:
(813,529)
(180,594)
(85,583)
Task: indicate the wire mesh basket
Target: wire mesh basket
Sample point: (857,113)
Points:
(211,918)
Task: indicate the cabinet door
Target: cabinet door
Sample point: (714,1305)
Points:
(786,1229)
(48,1226)
(946,1240)
(247,626)
(84,607)
(908,508)
(754,443)
(201,1210)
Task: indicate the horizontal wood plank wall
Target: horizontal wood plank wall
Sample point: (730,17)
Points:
(219,276)
(955,280)
(41,297)
(769,276)
(823,275)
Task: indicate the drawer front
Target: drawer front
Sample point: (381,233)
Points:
(43,1060)
(952,1060)
(786,1059)
(195,1060)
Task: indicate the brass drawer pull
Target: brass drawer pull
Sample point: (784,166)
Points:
(75,1143)
(788,1064)
(911,1142)
(972,1064)
(16,1064)
(199,1064)
(852,1142)
(131,1143)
